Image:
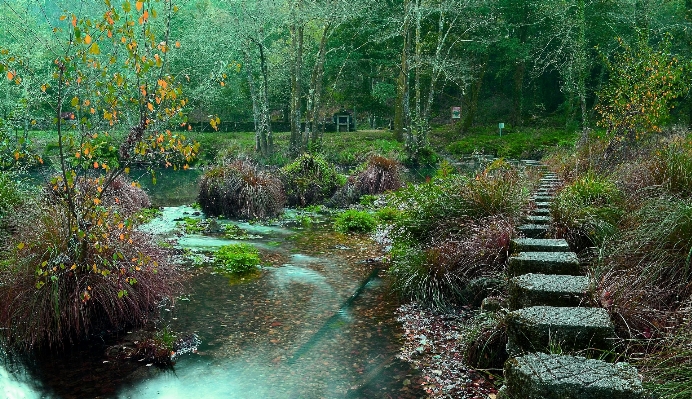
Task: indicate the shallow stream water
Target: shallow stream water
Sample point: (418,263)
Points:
(318,322)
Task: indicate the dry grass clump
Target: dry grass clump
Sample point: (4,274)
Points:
(240,190)
(379,176)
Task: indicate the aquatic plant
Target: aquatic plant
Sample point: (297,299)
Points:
(353,220)
(237,259)
(240,190)
(310,180)
(55,292)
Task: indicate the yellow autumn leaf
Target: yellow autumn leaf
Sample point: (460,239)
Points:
(87,39)
(20,246)
(95,49)
(150,106)
(139,5)
(10,75)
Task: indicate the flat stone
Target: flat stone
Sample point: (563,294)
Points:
(533,230)
(541,376)
(541,211)
(539,245)
(544,262)
(549,328)
(539,219)
(542,204)
(543,198)
(547,289)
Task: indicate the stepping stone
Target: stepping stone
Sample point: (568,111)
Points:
(543,191)
(547,289)
(539,219)
(539,245)
(544,262)
(549,328)
(540,376)
(543,198)
(533,230)
(541,211)
(542,204)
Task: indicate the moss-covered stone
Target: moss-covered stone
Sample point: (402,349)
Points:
(541,376)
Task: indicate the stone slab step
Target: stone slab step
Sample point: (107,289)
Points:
(533,230)
(543,198)
(539,245)
(544,262)
(539,219)
(546,328)
(544,191)
(547,289)
(541,211)
(542,204)
(540,376)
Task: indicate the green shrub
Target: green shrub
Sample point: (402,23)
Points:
(237,259)
(310,180)
(587,211)
(355,221)
(387,214)
(240,190)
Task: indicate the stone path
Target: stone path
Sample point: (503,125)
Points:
(548,316)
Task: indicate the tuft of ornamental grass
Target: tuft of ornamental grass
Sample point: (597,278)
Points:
(646,275)
(59,287)
(669,367)
(437,274)
(240,190)
(379,176)
(439,207)
(671,168)
(587,211)
(310,179)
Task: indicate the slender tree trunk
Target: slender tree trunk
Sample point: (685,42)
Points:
(402,100)
(313,108)
(518,93)
(296,89)
(472,106)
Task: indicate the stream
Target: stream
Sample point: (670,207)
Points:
(318,322)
